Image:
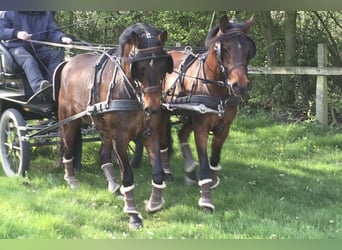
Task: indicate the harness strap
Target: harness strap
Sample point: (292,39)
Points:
(101,107)
(209,101)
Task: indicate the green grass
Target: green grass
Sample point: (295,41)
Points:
(279,181)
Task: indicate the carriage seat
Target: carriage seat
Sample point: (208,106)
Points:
(9,66)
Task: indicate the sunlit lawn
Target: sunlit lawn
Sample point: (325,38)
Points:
(279,181)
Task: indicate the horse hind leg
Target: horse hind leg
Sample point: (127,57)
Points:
(107,167)
(69,175)
(165,162)
(67,147)
(166,146)
(190,164)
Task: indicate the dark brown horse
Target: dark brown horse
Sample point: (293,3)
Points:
(205,90)
(119,92)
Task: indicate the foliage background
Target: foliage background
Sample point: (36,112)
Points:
(290,97)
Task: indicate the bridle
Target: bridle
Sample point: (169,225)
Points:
(224,70)
(218,52)
(149,53)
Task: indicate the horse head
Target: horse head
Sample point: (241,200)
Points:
(146,63)
(233,50)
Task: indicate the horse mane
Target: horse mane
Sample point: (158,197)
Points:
(141,29)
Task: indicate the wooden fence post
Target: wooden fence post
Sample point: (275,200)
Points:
(322,87)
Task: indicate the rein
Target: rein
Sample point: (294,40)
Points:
(74,45)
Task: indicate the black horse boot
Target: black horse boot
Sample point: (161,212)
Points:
(69,175)
(135,219)
(214,176)
(190,165)
(205,200)
(164,158)
(156,201)
(107,168)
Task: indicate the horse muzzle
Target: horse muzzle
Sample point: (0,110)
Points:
(152,99)
(238,89)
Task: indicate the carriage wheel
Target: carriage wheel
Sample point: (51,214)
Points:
(135,152)
(14,152)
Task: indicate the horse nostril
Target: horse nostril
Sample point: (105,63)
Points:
(236,87)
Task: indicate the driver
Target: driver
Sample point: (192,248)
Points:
(38,61)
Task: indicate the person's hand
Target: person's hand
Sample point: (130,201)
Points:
(66,40)
(23,35)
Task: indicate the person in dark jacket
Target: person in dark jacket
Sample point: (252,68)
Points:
(17,28)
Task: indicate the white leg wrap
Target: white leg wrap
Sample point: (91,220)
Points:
(205,181)
(164,150)
(130,210)
(216,184)
(67,161)
(124,190)
(160,186)
(215,168)
(109,164)
(202,203)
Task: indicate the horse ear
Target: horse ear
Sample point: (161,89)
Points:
(224,23)
(135,40)
(162,37)
(249,23)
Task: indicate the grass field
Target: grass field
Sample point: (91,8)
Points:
(278,181)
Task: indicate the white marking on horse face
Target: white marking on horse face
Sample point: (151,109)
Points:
(239,45)
(148,35)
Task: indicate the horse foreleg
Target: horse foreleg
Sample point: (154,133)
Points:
(216,147)
(156,200)
(190,164)
(201,139)
(120,148)
(220,133)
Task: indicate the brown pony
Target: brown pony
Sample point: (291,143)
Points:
(205,90)
(119,92)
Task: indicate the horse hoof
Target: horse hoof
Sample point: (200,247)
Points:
(113,187)
(206,205)
(72,181)
(135,221)
(152,207)
(208,210)
(168,177)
